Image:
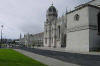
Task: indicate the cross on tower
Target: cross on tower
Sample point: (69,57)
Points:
(52,2)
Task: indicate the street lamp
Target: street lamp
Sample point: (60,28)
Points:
(1,34)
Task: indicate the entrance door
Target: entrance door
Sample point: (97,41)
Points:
(99,24)
(64,41)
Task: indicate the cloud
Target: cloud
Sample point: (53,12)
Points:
(28,16)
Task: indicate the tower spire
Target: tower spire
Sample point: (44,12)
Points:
(66,10)
(52,3)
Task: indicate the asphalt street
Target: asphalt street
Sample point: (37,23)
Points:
(75,58)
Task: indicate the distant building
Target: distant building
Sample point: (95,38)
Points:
(33,40)
(38,39)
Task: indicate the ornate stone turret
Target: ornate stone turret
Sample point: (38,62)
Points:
(51,13)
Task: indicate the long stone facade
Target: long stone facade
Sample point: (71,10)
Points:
(33,40)
(77,30)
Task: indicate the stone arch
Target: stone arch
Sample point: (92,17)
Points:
(63,41)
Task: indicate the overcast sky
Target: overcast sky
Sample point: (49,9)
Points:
(28,16)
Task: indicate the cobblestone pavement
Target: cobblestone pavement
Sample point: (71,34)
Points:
(74,58)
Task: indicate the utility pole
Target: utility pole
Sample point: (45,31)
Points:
(1,34)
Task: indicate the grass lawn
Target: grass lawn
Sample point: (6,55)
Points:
(9,57)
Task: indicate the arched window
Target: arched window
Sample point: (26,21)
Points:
(45,40)
(99,24)
(46,30)
(50,9)
(52,40)
(52,30)
(59,31)
(47,19)
(76,17)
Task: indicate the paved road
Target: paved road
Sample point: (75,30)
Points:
(75,58)
(45,60)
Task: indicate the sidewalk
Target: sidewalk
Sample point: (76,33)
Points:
(64,50)
(52,49)
(46,60)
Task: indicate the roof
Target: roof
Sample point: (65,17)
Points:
(85,5)
(52,9)
(38,34)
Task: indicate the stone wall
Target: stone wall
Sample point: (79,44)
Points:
(78,31)
(94,38)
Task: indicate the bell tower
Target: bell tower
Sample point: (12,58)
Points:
(51,13)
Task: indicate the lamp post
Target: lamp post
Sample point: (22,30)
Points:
(1,34)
